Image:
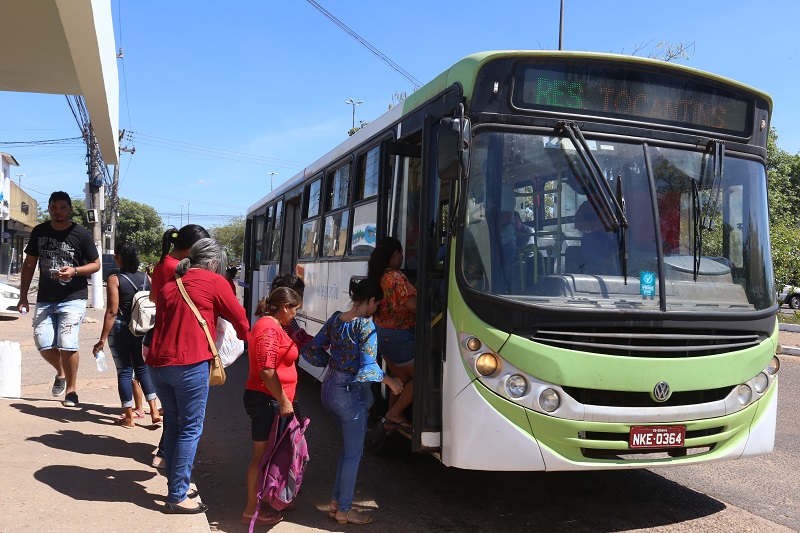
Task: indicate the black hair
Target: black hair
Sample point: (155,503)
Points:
(288,280)
(380,257)
(128,254)
(181,239)
(276,300)
(59,195)
(361,290)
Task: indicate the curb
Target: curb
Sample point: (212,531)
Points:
(790,350)
(789,327)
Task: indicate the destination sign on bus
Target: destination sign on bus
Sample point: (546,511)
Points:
(632,95)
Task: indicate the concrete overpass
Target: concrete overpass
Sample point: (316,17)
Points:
(64,47)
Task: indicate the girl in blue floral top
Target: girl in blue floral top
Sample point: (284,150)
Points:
(346,389)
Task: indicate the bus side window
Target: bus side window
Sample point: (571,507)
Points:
(309,236)
(337,218)
(365,212)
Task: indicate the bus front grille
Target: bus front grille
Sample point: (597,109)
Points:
(608,398)
(656,343)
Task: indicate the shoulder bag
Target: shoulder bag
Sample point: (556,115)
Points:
(217,374)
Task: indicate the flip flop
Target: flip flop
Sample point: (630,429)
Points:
(262,520)
(121,423)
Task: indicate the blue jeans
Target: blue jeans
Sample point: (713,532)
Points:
(127,352)
(348,402)
(183,391)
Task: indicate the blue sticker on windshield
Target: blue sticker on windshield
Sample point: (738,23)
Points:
(647,283)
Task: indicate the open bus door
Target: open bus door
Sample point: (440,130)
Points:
(416,213)
(433,251)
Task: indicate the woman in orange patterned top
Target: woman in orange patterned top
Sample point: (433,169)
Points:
(395,323)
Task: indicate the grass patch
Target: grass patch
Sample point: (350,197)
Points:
(789,318)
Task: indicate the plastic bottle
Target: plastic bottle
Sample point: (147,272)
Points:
(24,311)
(100,359)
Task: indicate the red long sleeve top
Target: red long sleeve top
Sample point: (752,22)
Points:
(271,347)
(178,338)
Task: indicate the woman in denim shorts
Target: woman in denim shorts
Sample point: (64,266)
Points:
(395,323)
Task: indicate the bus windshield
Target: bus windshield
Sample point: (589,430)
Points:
(546,226)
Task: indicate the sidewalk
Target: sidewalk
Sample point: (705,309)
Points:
(71,469)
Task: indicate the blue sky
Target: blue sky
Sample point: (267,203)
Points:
(216,95)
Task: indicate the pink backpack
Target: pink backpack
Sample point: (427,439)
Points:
(282,466)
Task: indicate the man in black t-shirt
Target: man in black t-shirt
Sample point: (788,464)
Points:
(66,255)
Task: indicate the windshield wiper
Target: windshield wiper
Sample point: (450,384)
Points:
(697,233)
(704,218)
(623,236)
(716,184)
(607,205)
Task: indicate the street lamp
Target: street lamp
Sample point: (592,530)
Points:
(19,179)
(271,174)
(181,215)
(187,211)
(354,104)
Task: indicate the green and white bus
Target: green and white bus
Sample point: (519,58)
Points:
(589,238)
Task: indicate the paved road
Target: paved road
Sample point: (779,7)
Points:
(410,492)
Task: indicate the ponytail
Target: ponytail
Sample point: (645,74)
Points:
(181,239)
(166,241)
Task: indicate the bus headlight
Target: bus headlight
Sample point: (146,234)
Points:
(516,386)
(487,364)
(549,400)
(473,344)
(774,366)
(744,394)
(760,382)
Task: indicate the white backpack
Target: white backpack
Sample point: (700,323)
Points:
(143,311)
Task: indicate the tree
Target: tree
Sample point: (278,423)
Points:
(140,224)
(783,188)
(231,237)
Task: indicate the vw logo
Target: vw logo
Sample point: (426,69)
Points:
(661,392)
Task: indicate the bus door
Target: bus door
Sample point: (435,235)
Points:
(256,251)
(291,236)
(432,254)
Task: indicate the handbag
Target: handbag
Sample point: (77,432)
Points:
(217,373)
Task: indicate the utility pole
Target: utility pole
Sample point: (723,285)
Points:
(114,197)
(95,191)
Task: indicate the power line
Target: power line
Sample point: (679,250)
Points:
(180,146)
(397,68)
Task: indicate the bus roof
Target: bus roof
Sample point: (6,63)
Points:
(465,72)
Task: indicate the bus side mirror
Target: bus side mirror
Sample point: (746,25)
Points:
(453,148)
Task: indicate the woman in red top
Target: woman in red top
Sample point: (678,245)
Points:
(179,361)
(271,385)
(180,240)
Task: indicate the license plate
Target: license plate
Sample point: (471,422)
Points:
(657,436)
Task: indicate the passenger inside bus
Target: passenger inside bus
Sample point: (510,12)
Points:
(599,250)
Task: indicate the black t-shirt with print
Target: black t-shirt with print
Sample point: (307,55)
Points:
(58,248)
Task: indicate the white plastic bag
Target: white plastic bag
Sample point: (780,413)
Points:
(228,345)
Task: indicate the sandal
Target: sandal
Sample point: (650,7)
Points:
(332,508)
(269,519)
(121,422)
(356,518)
